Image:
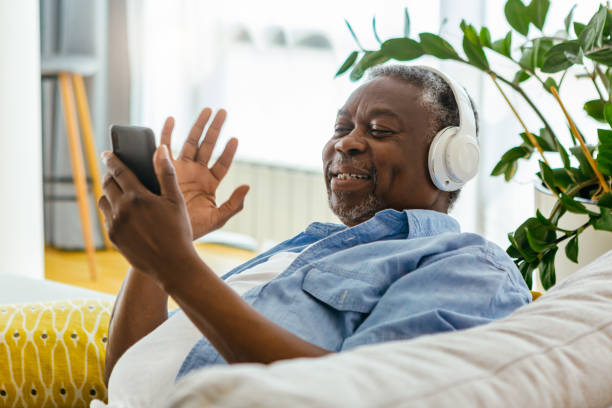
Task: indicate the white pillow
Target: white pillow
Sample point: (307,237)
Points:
(556,352)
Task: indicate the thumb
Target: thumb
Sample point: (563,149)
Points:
(166,175)
(234,204)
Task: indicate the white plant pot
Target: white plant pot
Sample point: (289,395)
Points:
(591,243)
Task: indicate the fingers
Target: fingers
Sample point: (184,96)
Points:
(111,188)
(210,140)
(166,174)
(166,134)
(220,168)
(105,206)
(122,175)
(234,204)
(190,148)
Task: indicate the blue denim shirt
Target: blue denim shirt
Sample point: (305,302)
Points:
(396,276)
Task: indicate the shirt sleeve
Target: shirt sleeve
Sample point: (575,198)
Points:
(446,292)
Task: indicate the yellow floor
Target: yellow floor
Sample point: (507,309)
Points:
(71,266)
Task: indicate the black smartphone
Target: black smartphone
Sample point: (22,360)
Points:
(134,146)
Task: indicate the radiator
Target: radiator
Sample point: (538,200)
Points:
(282,201)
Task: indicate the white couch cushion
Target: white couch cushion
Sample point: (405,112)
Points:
(556,352)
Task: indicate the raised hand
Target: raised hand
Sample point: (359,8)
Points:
(197,181)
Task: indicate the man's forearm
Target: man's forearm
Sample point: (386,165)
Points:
(238,331)
(140,307)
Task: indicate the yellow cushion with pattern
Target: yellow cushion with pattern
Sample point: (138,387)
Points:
(52,353)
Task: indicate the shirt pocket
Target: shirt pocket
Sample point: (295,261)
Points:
(341,292)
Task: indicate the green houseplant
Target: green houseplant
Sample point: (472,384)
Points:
(541,57)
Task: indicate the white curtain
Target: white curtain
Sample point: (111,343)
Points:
(257,60)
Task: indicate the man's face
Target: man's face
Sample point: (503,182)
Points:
(377,157)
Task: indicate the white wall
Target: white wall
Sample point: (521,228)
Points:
(21,223)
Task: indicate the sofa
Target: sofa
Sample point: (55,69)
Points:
(555,352)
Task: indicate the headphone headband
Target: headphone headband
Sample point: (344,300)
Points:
(467,121)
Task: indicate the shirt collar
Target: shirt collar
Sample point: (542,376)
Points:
(413,223)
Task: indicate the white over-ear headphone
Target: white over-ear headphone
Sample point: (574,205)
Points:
(454,152)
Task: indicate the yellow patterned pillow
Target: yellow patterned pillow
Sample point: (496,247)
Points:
(52,354)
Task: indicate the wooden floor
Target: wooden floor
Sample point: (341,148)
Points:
(71,266)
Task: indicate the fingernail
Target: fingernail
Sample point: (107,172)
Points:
(104,156)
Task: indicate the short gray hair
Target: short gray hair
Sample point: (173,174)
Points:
(436,95)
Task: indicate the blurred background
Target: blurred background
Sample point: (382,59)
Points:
(270,63)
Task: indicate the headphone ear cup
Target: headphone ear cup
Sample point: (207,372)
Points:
(462,157)
(437,159)
(453,159)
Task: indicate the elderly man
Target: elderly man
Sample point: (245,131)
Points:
(398,268)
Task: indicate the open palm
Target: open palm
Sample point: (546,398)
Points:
(197,181)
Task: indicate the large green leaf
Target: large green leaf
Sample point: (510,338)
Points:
(564,156)
(438,47)
(510,171)
(518,152)
(591,36)
(605,200)
(517,15)
(537,12)
(594,109)
(604,136)
(536,244)
(585,166)
(579,28)
(520,76)
(369,59)
(470,32)
(603,56)
(556,59)
(604,159)
(537,230)
(603,221)
(572,205)
(402,49)
(568,19)
(499,168)
(485,37)
(526,270)
(503,46)
(547,175)
(545,141)
(523,248)
(571,249)
(475,53)
(528,59)
(563,178)
(547,269)
(607,113)
(348,63)
(550,83)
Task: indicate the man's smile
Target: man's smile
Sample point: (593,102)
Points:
(349,178)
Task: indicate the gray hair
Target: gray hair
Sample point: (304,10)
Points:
(436,95)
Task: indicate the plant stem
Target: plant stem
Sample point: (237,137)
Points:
(532,139)
(592,77)
(520,91)
(583,147)
(570,193)
(572,233)
(530,103)
(605,81)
